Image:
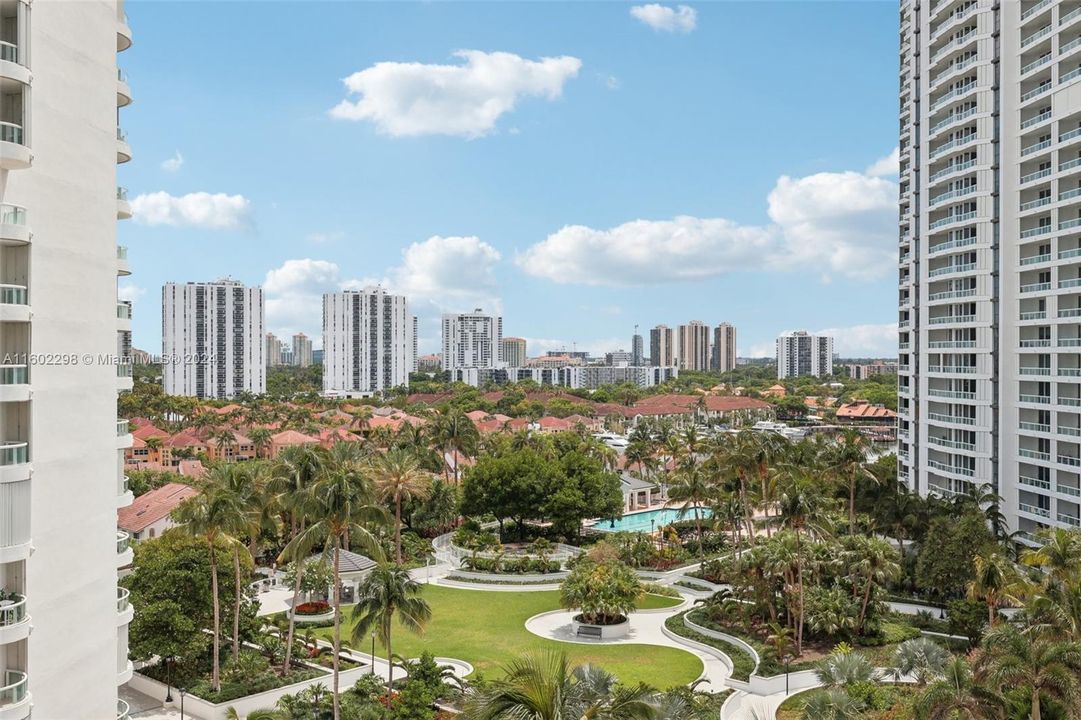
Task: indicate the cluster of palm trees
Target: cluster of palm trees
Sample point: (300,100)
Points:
(315,501)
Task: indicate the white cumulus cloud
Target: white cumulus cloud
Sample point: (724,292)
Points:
(129,292)
(465,99)
(174,163)
(828,223)
(211,211)
(888,166)
(436,275)
(664,18)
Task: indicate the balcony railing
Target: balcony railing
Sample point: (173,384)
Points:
(13,452)
(956,419)
(1034,454)
(123,542)
(1035,9)
(1067,430)
(123,311)
(1034,342)
(955,469)
(1069,401)
(952,344)
(12,295)
(952,394)
(950,169)
(14,688)
(1041,33)
(1069,164)
(1076,72)
(12,214)
(1035,287)
(1033,204)
(9,52)
(950,294)
(1036,259)
(1036,175)
(1069,283)
(10,132)
(1035,147)
(949,269)
(1033,510)
(121,428)
(123,599)
(12,611)
(1069,312)
(958,217)
(1034,315)
(1035,231)
(951,319)
(121,252)
(1034,427)
(1068,490)
(1034,482)
(1039,399)
(13,374)
(1033,371)
(124,370)
(1069,520)
(1069,16)
(954,444)
(121,193)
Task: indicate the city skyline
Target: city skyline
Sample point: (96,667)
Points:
(486,237)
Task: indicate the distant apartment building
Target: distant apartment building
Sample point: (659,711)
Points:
(63,618)
(273,350)
(472,340)
(213,339)
(570,376)
(302,350)
(367,342)
(618,357)
(800,353)
(693,346)
(514,351)
(662,346)
(430,363)
(638,350)
(553,361)
(864,371)
(724,347)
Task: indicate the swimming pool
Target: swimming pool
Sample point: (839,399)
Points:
(650,519)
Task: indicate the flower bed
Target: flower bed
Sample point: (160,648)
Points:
(317,607)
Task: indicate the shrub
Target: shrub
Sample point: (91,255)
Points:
(316,607)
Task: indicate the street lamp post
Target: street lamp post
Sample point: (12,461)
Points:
(373,653)
(169,682)
(786,661)
(183,692)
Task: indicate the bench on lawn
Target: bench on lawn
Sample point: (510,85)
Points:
(590,631)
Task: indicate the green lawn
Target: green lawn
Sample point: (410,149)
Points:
(487,629)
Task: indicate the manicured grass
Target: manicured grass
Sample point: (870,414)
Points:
(487,629)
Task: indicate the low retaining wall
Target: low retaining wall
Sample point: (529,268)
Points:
(537,578)
(198,708)
(707,649)
(758,685)
(731,639)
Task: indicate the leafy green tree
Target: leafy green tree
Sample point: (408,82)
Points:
(1036,659)
(945,564)
(604,590)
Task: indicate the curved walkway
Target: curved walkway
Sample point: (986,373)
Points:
(646,628)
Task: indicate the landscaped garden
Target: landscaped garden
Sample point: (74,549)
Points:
(488,630)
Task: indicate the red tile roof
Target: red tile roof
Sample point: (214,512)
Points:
(292,437)
(864,410)
(152,506)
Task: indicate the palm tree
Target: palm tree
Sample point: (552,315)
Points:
(832,704)
(456,433)
(875,562)
(842,669)
(921,658)
(802,511)
(260,438)
(397,476)
(223,438)
(342,506)
(1059,555)
(545,687)
(1037,660)
(994,581)
(693,490)
(958,695)
(846,460)
(389,593)
(210,515)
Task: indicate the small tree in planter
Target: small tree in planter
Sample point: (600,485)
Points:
(604,589)
(316,581)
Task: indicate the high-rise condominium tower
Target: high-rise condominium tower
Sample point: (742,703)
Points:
(990,254)
(693,346)
(662,347)
(368,341)
(59,203)
(471,340)
(302,350)
(724,347)
(638,350)
(212,339)
(800,353)
(273,350)
(514,351)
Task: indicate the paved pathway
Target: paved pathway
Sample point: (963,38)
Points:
(645,630)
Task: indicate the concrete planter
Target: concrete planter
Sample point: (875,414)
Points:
(302,619)
(607,632)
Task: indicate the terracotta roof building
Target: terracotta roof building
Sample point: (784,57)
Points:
(148,515)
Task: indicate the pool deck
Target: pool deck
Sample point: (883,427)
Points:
(598,524)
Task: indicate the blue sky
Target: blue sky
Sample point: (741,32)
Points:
(581,167)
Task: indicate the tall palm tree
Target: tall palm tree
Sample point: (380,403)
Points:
(1037,660)
(343,507)
(847,460)
(386,595)
(876,563)
(546,687)
(802,511)
(210,515)
(455,433)
(994,582)
(1059,555)
(692,489)
(260,438)
(958,695)
(397,477)
(292,475)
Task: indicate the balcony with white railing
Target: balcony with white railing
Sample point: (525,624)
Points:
(1031,454)
(1034,399)
(951,394)
(950,169)
(952,218)
(1046,172)
(123,90)
(1036,259)
(1036,287)
(951,194)
(1069,46)
(953,419)
(1071,490)
(13,224)
(123,149)
(1035,147)
(1036,36)
(1034,427)
(1034,482)
(1033,510)
(123,207)
(14,696)
(14,152)
(951,319)
(952,95)
(1069,17)
(953,469)
(14,620)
